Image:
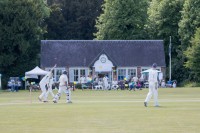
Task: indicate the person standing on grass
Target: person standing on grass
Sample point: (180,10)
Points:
(63,87)
(105,82)
(153,86)
(82,80)
(44,85)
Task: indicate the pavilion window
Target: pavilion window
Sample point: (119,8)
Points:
(121,74)
(131,72)
(76,73)
(126,72)
(82,72)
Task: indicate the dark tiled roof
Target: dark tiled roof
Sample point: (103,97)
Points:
(78,53)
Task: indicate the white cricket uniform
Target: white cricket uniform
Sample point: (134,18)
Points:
(174,85)
(88,79)
(63,88)
(153,86)
(99,86)
(51,82)
(82,80)
(135,79)
(114,85)
(43,83)
(105,82)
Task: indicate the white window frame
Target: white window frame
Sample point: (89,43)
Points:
(79,69)
(75,75)
(118,73)
(127,68)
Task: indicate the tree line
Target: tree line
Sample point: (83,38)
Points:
(23,23)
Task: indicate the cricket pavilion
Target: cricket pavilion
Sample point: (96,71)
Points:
(114,58)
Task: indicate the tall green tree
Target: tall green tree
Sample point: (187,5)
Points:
(193,55)
(189,22)
(56,23)
(122,19)
(153,17)
(21,27)
(187,27)
(73,19)
(163,19)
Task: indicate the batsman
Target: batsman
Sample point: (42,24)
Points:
(63,87)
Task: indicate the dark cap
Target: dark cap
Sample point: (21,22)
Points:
(154,65)
(64,72)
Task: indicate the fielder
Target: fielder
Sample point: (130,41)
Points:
(63,87)
(43,85)
(153,86)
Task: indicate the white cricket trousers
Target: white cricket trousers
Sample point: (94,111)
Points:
(152,91)
(106,86)
(66,91)
(44,92)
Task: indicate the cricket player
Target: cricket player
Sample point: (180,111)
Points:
(105,83)
(63,87)
(43,85)
(82,80)
(153,86)
(115,84)
(51,82)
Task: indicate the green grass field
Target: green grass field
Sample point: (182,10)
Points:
(102,112)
